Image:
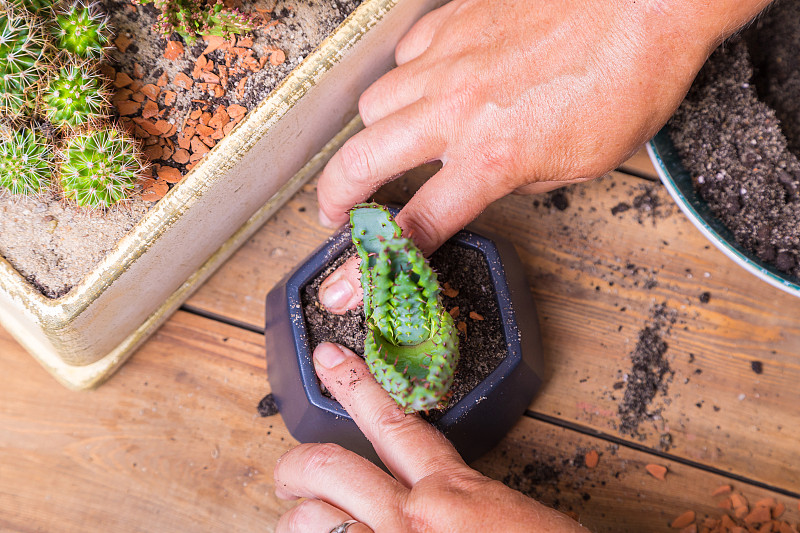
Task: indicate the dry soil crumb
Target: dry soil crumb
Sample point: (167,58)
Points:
(267,406)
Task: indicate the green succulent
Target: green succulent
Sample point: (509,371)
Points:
(99,168)
(190,18)
(81,30)
(22,60)
(26,162)
(75,96)
(34,6)
(412,345)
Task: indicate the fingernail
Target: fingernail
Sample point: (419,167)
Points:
(325,221)
(336,295)
(329,355)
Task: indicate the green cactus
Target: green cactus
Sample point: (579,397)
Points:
(99,168)
(81,30)
(22,55)
(412,344)
(34,6)
(190,18)
(25,162)
(75,96)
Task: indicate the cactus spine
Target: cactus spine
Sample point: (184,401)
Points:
(22,53)
(25,162)
(412,345)
(191,18)
(99,168)
(34,6)
(81,31)
(75,96)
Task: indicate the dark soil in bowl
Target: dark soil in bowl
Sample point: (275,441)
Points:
(471,299)
(738,134)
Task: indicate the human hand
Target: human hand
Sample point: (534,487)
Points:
(432,488)
(517,96)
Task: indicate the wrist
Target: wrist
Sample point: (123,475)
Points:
(706,22)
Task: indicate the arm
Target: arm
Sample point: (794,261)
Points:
(518,96)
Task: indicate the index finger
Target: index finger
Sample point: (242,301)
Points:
(373,156)
(410,448)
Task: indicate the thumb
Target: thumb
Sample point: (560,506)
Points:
(342,291)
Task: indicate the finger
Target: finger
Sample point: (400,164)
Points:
(341,478)
(419,37)
(410,448)
(373,156)
(342,291)
(316,515)
(398,88)
(447,202)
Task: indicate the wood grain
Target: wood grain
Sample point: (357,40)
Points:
(173,443)
(598,269)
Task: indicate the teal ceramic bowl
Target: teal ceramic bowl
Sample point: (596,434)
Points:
(678,182)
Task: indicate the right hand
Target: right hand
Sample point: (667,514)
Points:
(517,96)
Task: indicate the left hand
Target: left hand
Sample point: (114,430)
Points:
(432,488)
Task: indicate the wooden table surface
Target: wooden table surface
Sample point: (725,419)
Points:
(173,441)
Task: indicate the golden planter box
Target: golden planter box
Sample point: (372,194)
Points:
(82,337)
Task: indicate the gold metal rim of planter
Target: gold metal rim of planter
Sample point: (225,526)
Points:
(94,374)
(55,313)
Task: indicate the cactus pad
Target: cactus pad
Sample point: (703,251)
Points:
(82,31)
(99,168)
(412,345)
(25,162)
(74,97)
(22,52)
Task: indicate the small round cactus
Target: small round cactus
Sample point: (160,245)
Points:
(75,96)
(34,6)
(22,54)
(82,31)
(99,168)
(25,162)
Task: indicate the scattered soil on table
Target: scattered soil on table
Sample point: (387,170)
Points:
(469,296)
(178,100)
(731,133)
(650,373)
(563,482)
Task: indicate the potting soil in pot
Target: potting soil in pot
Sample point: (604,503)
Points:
(469,296)
(738,133)
(179,100)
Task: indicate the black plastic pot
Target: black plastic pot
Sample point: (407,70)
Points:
(475,424)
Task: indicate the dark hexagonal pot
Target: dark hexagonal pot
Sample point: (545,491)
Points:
(475,424)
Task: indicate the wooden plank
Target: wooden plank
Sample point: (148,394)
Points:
(640,165)
(597,273)
(618,495)
(172,443)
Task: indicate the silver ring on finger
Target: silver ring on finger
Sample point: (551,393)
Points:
(342,528)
